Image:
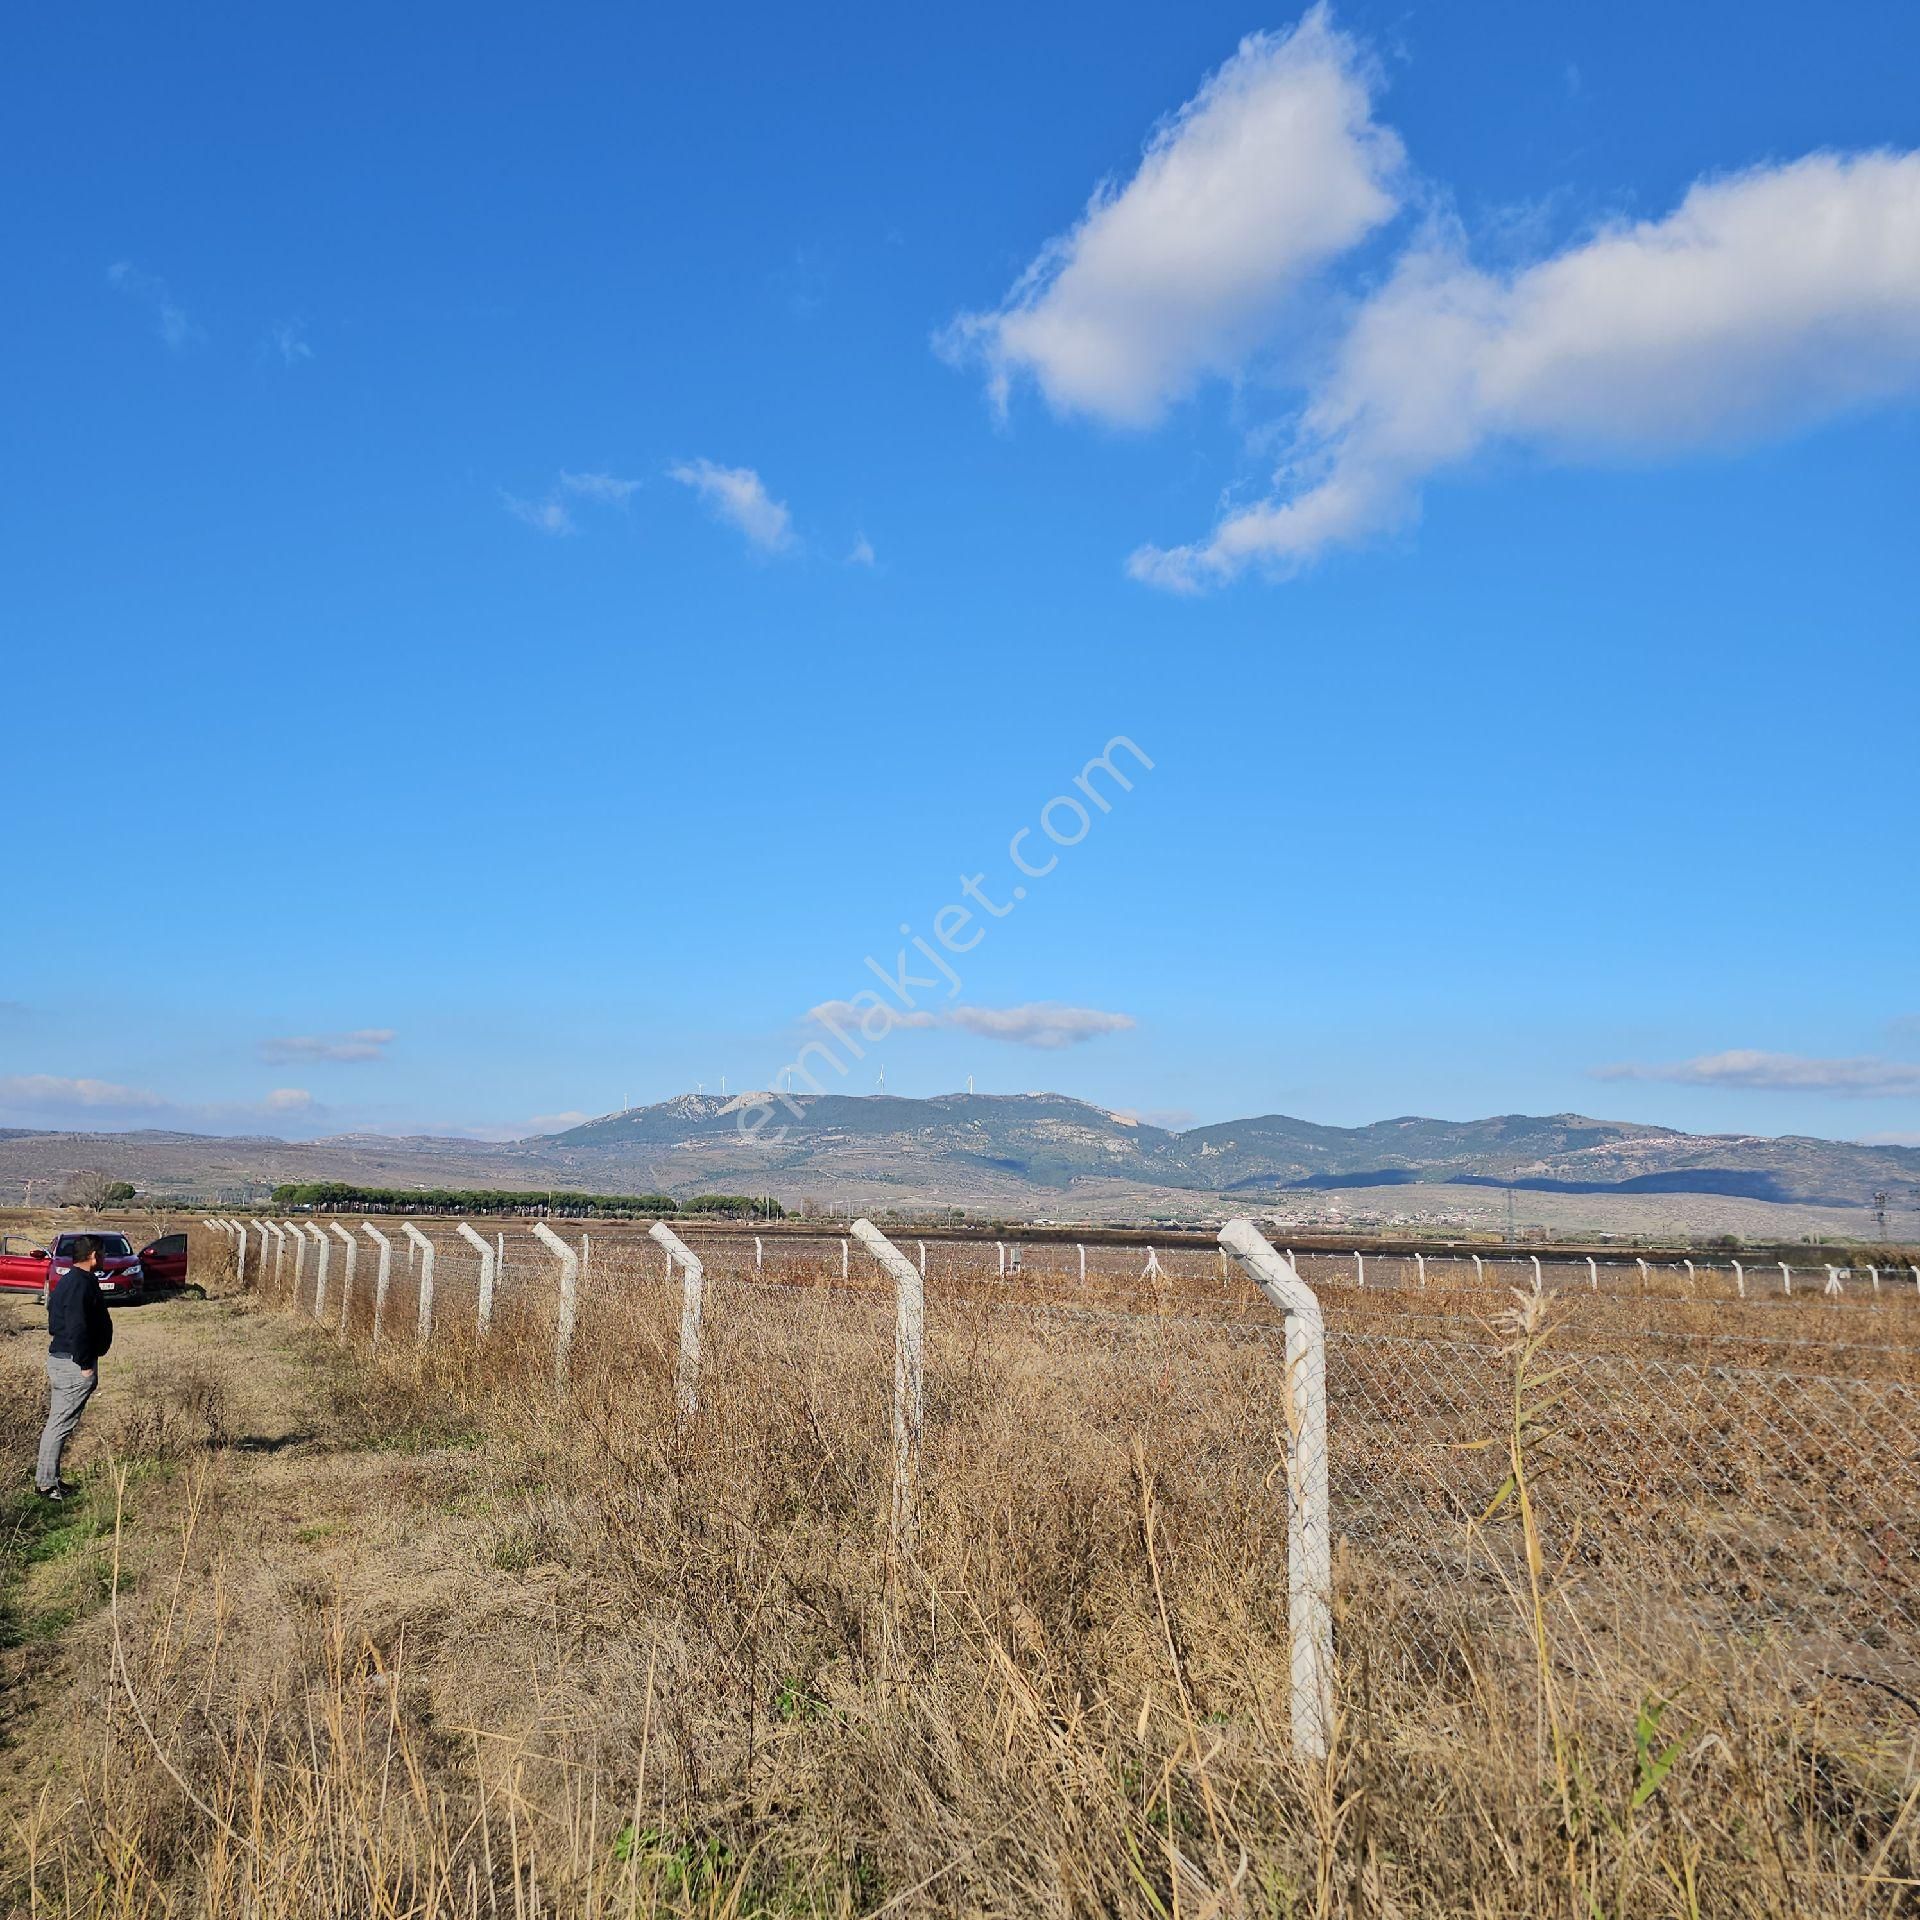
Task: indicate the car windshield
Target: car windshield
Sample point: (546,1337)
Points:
(109,1246)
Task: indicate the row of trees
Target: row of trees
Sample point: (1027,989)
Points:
(344,1196)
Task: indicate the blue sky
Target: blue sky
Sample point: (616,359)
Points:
(535,542)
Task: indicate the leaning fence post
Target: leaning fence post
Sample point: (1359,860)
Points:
(909,1373)
(1739,1279)
(1420,1267)
(1833,1281)
(569,1297)
(693,1287)
(1873,1274)
(1309,1546)
(418,1240)
(1593,1274)
(346,1279)
(485,1249)
(382,1276)
(1688,1264)
(1359,1267)
(1479,1270)
(1539,1281)
(1642,1265)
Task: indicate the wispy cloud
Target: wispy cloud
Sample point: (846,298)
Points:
(862,554)
(606,488)
(553,515)
(1040,1023)
(739,496)
(150,291)
(287,342)
(85,1104)
(365,1043)
(37,1091)
(1855,1079)
(1275,167)
(544,516)
(1764,302)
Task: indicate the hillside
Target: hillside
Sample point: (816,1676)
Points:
(1045,1155)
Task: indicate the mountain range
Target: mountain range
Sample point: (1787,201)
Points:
(1027,1155)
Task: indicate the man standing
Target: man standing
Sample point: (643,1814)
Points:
(80,1330)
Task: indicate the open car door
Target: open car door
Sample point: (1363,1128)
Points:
(164,1261)
(24,1265)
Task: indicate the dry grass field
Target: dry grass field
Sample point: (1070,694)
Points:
(414,1632)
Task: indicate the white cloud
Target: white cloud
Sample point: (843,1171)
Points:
(34,1091)
(739,496)
(365,1043)
(554,1123)
(606,488)
(1271,170)
(1859,1079)
(285,1100)
(1040,1023)
(1765,301)
(862,553)
(288,338)
(544,516)
(176,329)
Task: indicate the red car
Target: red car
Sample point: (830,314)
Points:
(159,1266)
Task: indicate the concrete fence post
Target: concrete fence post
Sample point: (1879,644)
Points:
(1153,1270)
(1593,1274)
(417,1242)
(1786,1279)
(921,1263)
(1000,1252)
(263,1229)
(1309,1539)
(485,1249)
(325,1255)
(1915,1271)
(382,1278)
(909,1373)
(1539,1279)
(693,1291)
(298,1235)
(350,1266)
(1833,1281)
(1688,1264)
(569,1298)
(1739,1280)
(1479,1270)
(1359,1268)
(1420,1267)
(1642,1265)
(759,1254)
(1082,1252)
(843,1260)
(238,1235)
(1873,1274)
(279,1252)
(499,1259)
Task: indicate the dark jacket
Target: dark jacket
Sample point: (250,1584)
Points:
(78,1323)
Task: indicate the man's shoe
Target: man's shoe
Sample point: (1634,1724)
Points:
(62,1492)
